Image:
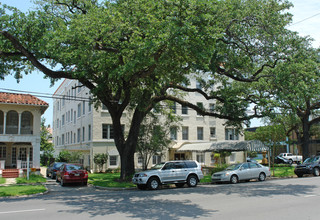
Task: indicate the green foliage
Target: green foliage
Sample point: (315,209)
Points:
(46,147)
(252,154)
(136,54)
(2,180)
(69,157)
(154,137)
(100,160)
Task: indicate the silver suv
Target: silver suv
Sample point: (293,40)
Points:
(176,172)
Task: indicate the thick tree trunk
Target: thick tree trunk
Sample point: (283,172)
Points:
(305,138)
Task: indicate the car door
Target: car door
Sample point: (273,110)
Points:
(244,172)
(167,172)
(181,171)
(254,170)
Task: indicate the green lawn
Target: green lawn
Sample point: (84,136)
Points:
(32,179)
(281,171)
(18,190)
(2,180)
(108,180)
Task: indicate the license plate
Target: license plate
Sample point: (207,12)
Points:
(76,174)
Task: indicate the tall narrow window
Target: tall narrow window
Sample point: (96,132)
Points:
(200,105)
(185,133)
(12,122)
(78,135)
(184,109)
(26,123)
(89,132)
(212,132)
(173,107)
(200,133)
(1,121)
(83,133)
(79,110)
(83,107)
(173,133)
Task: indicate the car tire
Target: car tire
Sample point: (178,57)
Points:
(299,175)
(179,185)
(290,161)
(85,183)
(153,183)
(316,171)
(142,186)
(262,177)
(234,179)
(192,181)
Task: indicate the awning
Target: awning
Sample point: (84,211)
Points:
(253,145)
(195,147)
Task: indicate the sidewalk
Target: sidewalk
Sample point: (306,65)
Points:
(9,181)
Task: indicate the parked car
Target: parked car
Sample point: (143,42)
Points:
(242,171)
(52,169)
(292,158)
(281,160)
(309,166)
(177,172)
(72,173)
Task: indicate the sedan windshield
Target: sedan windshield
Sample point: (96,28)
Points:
(234,167)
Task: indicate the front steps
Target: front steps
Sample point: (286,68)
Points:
(10,173)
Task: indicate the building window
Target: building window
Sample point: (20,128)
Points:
(107,131)
(185,133)
(74,137)
(83,133)
(173,107)
(200,105)
(71,115)
(83,107)
(78,133)
(231,134)
(63,119)
(79,110)
(12,122)
(89,132)
(198,85)
(62,140)
(173,133)
(71,137)
(26,123)
(184,109)
(63,100)
(104,107)
(156,159)
(75,117)
(200,133)
(212,132)
(89,106)
(1,121)
(3,152)
(211,107)
(113,160)
(200,158)
(140,160)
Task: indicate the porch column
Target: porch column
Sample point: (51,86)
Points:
(36,153)
(19,127)
(4,122)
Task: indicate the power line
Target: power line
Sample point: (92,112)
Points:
(298,22)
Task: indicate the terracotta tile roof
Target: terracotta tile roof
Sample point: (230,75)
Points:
(23,99)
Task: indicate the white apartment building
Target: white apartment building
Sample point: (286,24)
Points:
(78,126)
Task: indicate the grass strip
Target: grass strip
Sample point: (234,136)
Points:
(108,180)
(32,179)
(19,190)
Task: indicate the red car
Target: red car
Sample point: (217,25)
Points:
(72,173)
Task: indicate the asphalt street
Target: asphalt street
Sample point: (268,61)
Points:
(293,198)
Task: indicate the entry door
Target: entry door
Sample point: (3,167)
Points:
(23,153)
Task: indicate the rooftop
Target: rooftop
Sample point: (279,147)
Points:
(22,99)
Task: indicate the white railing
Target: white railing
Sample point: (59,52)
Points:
(24,164)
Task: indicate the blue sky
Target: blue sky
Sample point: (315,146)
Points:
(306,21)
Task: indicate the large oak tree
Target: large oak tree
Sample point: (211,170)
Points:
(135,54)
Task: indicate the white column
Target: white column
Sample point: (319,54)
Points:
(19,127)
(36,153)
(4,122)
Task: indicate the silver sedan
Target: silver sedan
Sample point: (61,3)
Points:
(242,171)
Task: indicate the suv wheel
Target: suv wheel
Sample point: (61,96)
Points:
(192,181)
(316,171)
(262,177)
(153,183)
